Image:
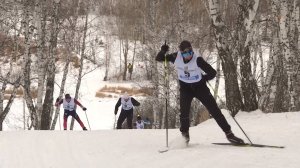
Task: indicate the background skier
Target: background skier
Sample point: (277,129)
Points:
(69,105)
(193,84)
(139,122)
(127,103)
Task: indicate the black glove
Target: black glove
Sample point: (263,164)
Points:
(83,108)
(57,99)
(164,48)
(116,111)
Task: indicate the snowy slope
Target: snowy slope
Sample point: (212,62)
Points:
(139,148)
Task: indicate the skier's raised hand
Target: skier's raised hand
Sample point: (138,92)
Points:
(165,48)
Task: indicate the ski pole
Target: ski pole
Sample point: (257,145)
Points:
(137,111)
(59,120)
(87,119)
(115,123)
(233,118)
(242,129)
(166,98)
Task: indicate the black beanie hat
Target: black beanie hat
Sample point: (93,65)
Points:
(184,45)
(67,96)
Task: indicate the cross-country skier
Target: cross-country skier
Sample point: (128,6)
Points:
(193,84)
(127,103)
(139,122)
(69,105)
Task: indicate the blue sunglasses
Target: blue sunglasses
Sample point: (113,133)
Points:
(187,53)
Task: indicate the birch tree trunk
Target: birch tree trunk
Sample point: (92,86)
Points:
(261,61)
(297,45)
(70,47)
(120,60)
(153,74)
(293,40)
(288,57)
(48,100)
(4,112)
(270,77)
(182,35)
(26,69)
(61,91)
(41,54)
(133,57)
(246,18)
(264,101)
(82,57)
(233,96)
(181,31)
(12,78)
(16,84)
(125,54)
(279,102)
(217,84)
(107,56)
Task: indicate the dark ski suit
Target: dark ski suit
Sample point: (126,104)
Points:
(125,113)
(198,90)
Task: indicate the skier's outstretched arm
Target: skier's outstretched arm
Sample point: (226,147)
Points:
(117,106)
(135,102)
(79,104)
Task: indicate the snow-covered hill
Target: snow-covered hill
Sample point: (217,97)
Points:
(139,148)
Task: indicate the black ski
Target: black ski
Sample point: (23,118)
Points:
(250,145)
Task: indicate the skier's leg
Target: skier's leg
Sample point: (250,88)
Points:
(121,119)
(185,104)
(129,118)
(66,115)
(75,115)
(210,103)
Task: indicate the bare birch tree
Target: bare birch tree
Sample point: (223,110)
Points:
(48,100)
(233,97)
(297,48)
(82,57)
(26,69)
(8,79)
(9,74)
(283,101)
(246,18)
(41,16)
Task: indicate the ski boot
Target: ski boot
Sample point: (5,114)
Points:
(186,136)
(233,139)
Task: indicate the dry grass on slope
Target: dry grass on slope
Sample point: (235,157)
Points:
(115,91)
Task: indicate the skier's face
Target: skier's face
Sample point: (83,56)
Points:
(187,54)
